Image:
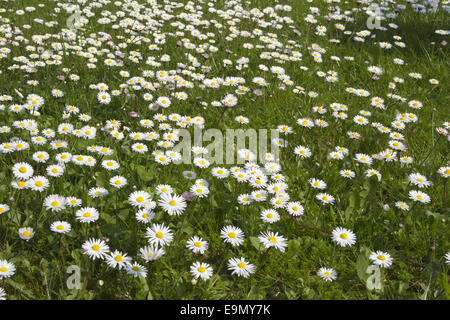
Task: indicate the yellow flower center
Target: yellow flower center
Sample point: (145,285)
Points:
(327,274)
(159,235)
(38,184)
(96,247)
(172,202)
(232,235)
(23,169)
(26,233)
(3,269)
(381,257)
(136,268)
(119,258)
(60,227)
(21,184)
(201,269)
(145,215)
(273,239)
(343,236)
(198,244)
(241,265)
(55,203)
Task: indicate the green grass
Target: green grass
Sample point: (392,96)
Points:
(418,271)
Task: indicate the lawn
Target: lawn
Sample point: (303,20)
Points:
(224,149)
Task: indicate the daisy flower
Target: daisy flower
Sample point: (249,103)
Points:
(220,173)
(73,202)
(244,199)
(325,198)
(110,164)
(22,171)
(259,195)
(447,258)
(317,184)
(201,162)
(4,208)
(419,196)
(444,172)
(294,208)
(363,158)
(55,170)
(87,215)
(343,237)
(240,267)
(145,215)
(270,216)
(201,270)
(270,239)
(402,205)
(95,248)
(159,234)
(7,269)
(118,182)
(190,175)
(232,235)
(197,245)
(136,270)
(349,174)
(118,259)
(327,274)
(381,259)
(173,204)
(55,202)
(26,233)
(163,188)
(139,198)
(60,227)
(302,151)
(419,180)
(199,190)
(151,253)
